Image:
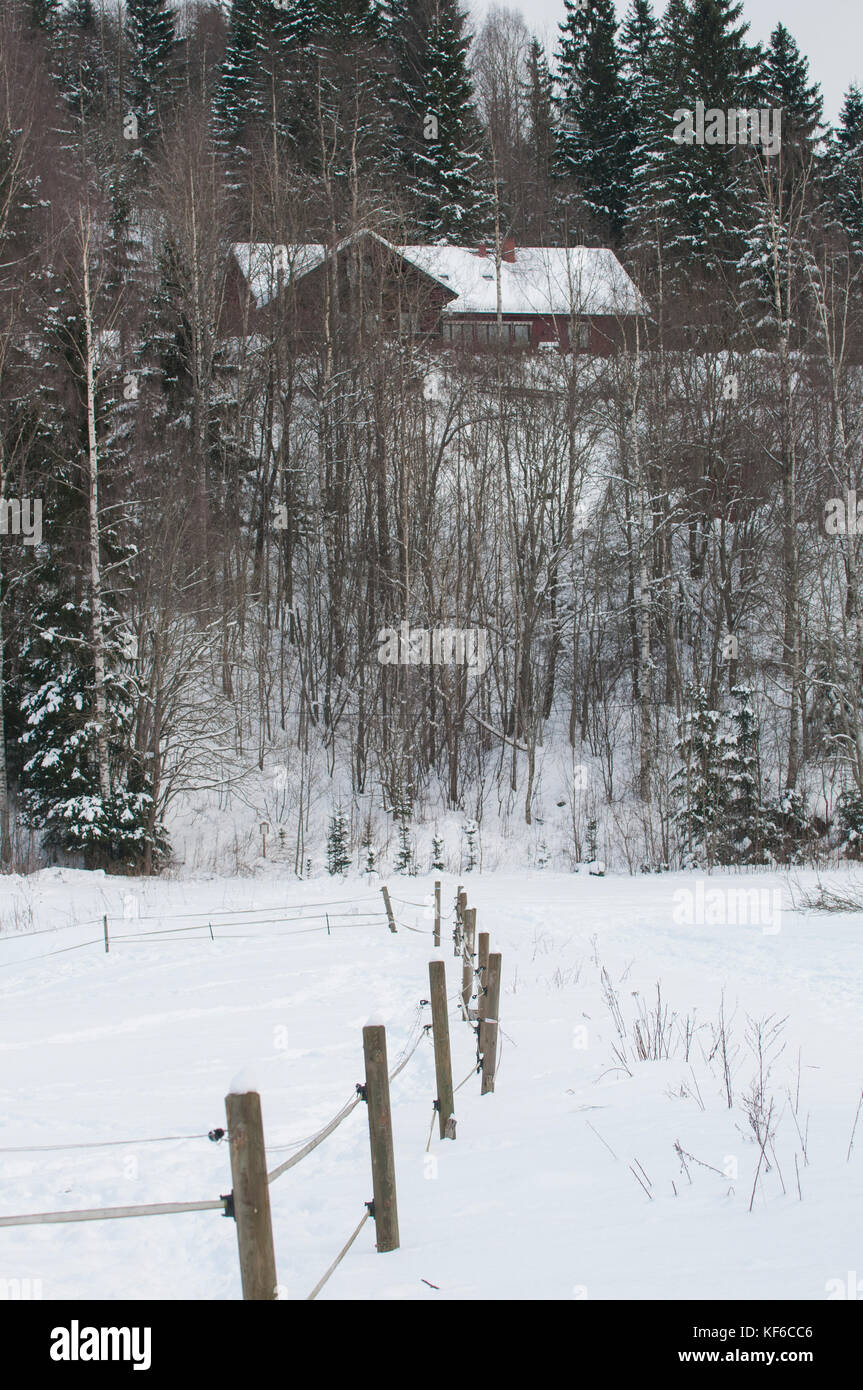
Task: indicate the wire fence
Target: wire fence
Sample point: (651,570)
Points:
(337,1261)
(111,1213)
(301,908)
(205,922)
(323,914)
(170,1208)
(99,1144)
(224,1203)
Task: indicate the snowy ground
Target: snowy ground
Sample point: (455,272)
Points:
(537,1198)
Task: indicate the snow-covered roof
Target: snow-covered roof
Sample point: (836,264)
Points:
(264,264)
(540,280)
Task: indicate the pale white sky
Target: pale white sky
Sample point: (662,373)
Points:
(828,32)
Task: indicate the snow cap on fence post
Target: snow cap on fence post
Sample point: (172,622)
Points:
(246,1080)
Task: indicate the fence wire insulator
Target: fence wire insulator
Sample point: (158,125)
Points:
(216,1135)
(370,1208)
(423,1003)
(436,1106)
(228,1199)
(361,1092)
(427,1027)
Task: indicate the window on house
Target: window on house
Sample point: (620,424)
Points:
(520,333)
(409,325)
(583,339)
(492,335)
(458,332)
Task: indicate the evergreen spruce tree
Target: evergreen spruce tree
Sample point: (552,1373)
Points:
(688,204)
(592,839)
(102,808)
(789,832)
(300,68)
(237,102)
(652,81)
(283,91)
(851,821)
(347,21)
(782,80)
(347,75)
(637,43)
(61,785)
(697,785)
(595,136)
(779,195)
(150,25)
(844,179)
(338,853)
(471,833)
(57,738)
(84,76)
(539,107)
(438,853)
(45,14)
(741,840)
(405,858)
(672,62)
(369,848)
(437,129)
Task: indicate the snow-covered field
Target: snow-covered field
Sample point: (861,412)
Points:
(565,1183)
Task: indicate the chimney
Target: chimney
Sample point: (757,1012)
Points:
(507,252)
(481,249)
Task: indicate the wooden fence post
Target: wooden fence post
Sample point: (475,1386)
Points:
(467,958)
(460,904)
(482,977)
(381,1137)
(492,998)
(105,926)
(437,912)
(488,1028)
(488,1050)
(442,1060)
(251,1195)
(388,905)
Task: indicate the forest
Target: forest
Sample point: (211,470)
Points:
(209,522)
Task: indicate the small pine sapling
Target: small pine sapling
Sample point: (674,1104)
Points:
(338,853)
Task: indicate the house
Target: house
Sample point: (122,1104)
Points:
(453,296)
(563,297)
